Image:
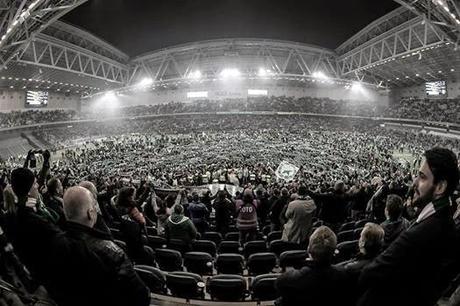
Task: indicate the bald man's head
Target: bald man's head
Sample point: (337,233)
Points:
(90,186)
(79,206)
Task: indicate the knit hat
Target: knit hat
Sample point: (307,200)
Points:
(22,180)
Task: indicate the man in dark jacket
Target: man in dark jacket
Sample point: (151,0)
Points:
(98,272)
(198,213)
(32,229)
(412,270)
(319,283)
(225,209)
(277,208)
(395,223)
(333,205)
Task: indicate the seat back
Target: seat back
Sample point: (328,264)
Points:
(230,264)
(279,246)
(156,242)
(346,250)
(151,231)
(168,260)
(185,285)
(347,226)
(357,232)
(229,247)
(153,278)
(232,236)
(346,236)
(229,288)
(178,245)
(274,236)
(252,247)
(293,258)
(206,246)
(212,236)
(263,287)
(261,263)
(361,223)
(198,262)
(266,229)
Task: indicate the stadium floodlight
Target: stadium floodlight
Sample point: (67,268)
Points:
(319,75)
(230,73)
(110,95)
(356,86)
(264,72)
(195,75)
(145,82)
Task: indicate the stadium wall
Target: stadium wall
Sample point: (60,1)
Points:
(14,100)
(419,92)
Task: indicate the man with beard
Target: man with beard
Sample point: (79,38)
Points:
(412,270)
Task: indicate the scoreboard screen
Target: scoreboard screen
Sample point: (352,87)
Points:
(36,98)
(437,88)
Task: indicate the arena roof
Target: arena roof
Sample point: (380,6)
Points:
(415,43)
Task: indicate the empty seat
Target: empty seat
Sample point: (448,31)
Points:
(198,262)
(232,236)
(153,278)
(346,236)
(347,226)
(178,245)
(252,247)
(156,242)
(280,246)
(206,246)
(346,250)
(230,288)
(213,236)
(230,264)
(229,247)
(168,260)
(263,287)
(275,235)
(261,263)
(185,285)
(294,258)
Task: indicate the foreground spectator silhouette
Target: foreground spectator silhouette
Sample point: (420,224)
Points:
(411,271)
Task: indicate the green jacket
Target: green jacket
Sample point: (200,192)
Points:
(180,227)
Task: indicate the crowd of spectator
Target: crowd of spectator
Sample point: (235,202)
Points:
(26,117)
(438,110)
(59,215)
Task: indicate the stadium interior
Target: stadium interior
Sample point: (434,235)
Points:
(265,148)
